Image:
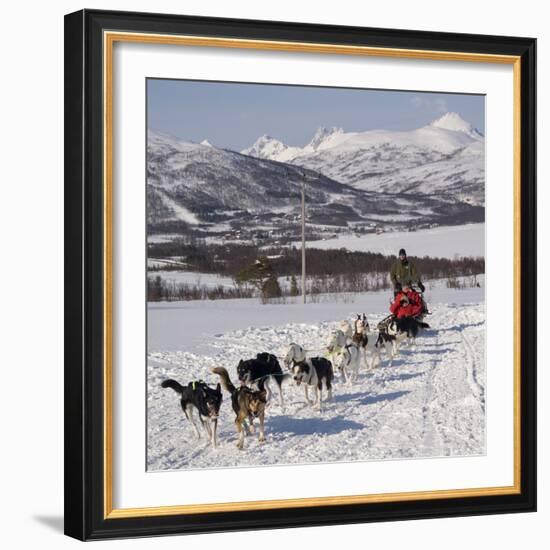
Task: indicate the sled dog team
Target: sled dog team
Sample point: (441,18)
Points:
(348,346)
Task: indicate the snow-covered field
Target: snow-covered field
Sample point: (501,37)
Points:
(208,280)
(444,242)
(211,280)
(192,278)
(429,402)
(162,238)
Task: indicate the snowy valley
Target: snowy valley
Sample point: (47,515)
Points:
(356,182)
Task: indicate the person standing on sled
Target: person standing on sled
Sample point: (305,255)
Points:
(407,303)
(404,272)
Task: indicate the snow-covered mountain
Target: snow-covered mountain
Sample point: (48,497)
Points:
(446,157)
(266,147)
(198,184)
(453,121)
(189,181)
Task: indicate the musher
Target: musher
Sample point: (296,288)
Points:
(404,272)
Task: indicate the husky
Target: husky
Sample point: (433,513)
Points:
(247,403)
(345,327)
(347,362)
(295,354)
(406,328)
(265,367)
(313,372)
(367,342)
(202,398)
(345,355)
(388,343)
(337,341)
(361,329)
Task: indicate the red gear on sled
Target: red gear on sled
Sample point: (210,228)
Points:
(407,304)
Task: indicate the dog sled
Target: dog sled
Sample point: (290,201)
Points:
(384,323)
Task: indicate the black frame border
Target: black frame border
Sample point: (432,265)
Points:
(84,257)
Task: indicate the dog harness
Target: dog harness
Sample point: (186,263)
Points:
(195,382)
(347,348)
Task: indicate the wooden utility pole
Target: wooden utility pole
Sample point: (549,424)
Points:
(303,239)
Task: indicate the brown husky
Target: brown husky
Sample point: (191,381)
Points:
(248,404)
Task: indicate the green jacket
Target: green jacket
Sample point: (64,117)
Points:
(403,272)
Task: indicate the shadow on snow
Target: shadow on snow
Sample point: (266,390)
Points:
(368,399)
(311,426)
(462,326)
(403,377)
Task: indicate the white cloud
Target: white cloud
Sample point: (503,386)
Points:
(434,104)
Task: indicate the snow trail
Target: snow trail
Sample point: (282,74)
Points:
(430,402)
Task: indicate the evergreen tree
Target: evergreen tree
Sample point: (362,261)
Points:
(260,274)
(271,289)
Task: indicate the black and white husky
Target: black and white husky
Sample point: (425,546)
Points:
(366,341)
(405,329)
(314,372)
(387,338)
(310,371)
(264,367)
(206,401)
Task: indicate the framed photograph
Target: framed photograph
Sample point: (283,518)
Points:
(300,274)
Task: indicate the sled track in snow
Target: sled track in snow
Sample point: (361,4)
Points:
(471,365)
(432,438)
(428,402)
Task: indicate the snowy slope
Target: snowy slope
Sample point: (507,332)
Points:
(186,180)
(429,402)
(460,176)
(444,157)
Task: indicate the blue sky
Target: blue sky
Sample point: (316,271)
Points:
(234,115)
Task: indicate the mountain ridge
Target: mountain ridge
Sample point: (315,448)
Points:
(205,188)
(445,157)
